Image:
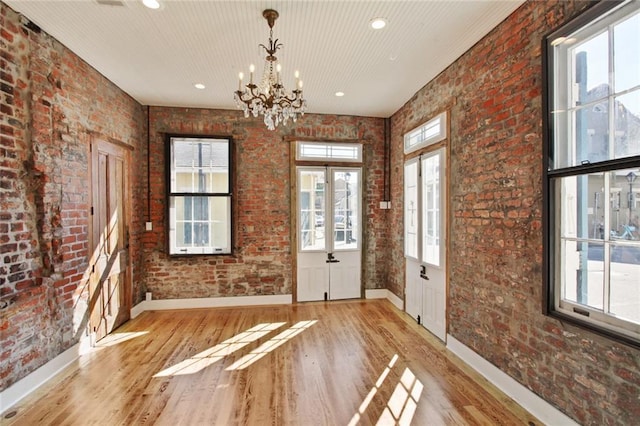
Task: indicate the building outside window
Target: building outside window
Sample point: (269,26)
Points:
(199,188)
(592,170)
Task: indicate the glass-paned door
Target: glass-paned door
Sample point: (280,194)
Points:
(329,233)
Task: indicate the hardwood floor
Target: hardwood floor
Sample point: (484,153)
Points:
(337,363)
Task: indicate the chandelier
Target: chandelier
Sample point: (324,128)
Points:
(269,97)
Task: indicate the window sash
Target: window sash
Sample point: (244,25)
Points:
(586,107)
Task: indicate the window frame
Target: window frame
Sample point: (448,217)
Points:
(590,319)
(169,194)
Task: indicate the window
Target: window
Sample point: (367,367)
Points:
(199,188)
(427,134)
(330,151)
(592,160)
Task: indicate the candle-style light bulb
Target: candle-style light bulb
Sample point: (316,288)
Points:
(240,77)
(252,68)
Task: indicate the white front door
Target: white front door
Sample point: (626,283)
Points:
(425,240)
(329,233)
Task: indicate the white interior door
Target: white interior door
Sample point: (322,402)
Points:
(425,244)
(329,233)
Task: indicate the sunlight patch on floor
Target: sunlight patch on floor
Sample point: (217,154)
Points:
(367,400)
(403,402)
(116,338)
(205,358)
(271,345)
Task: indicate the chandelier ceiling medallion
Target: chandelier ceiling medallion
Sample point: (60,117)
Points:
(269,97)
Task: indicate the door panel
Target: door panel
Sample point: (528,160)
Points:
(413,290)
(108,284)
(313,276)
(434,302)
(345,276)
(329,230)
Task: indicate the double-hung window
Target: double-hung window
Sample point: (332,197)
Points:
(199,188)
(592,170)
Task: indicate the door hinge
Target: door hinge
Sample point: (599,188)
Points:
(326,296)
(93,268)
(418,319)
(91,210)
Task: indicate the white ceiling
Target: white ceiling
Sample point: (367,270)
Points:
(157,55)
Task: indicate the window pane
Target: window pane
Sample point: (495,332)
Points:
(627,54)
(431,210)
(411,210)
(591,72)
(581,204)
(625,216)
(346,198)
(563,150)
(220,225)
(311,199)
(583,273)
(592,133)
(625,282)
(627,125)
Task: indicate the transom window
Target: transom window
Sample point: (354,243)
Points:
(199,187)
(330,151)
(434,130)
(592,162)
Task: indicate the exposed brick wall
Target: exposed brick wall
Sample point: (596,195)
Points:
(53,105)
(493,94)
(262,260)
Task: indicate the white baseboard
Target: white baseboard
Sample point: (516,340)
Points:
(383,293)
(138,309)
(22,388)
(210,302)
(531,402)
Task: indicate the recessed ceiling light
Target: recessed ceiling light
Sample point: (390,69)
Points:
(378,23)
(199,86)
(151,4)
(339,94)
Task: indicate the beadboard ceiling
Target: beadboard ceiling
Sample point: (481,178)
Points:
(157,55)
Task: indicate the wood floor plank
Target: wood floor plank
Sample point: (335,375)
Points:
(360,362)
